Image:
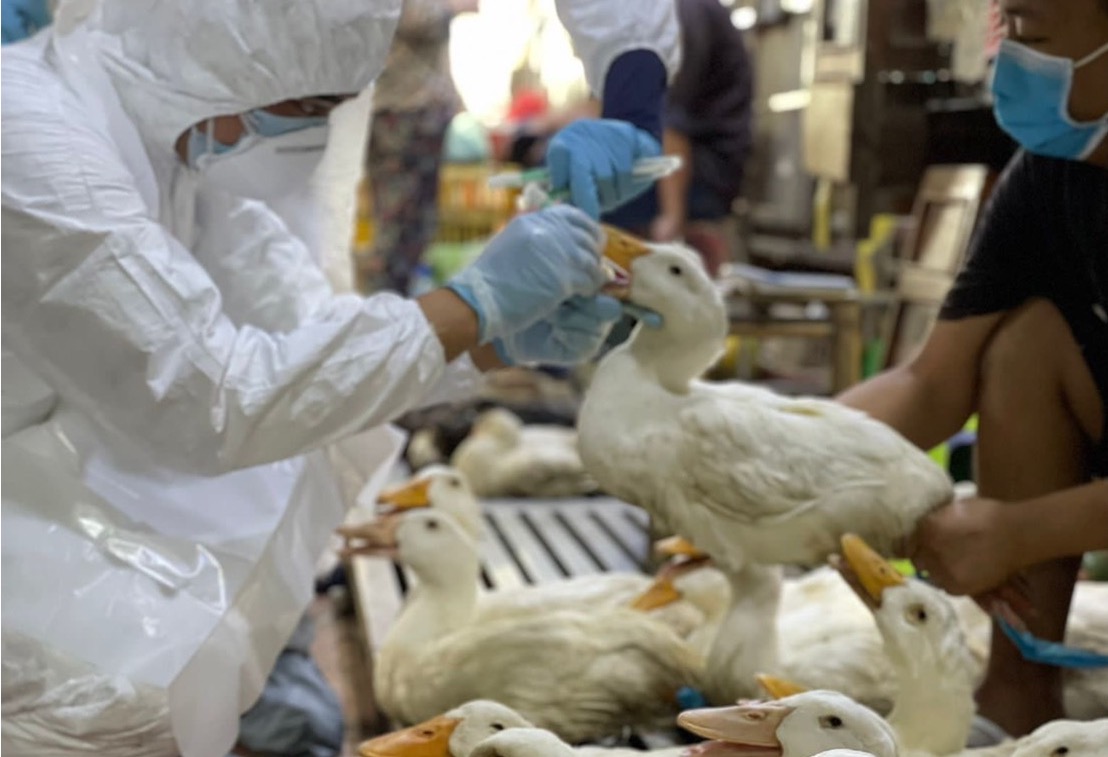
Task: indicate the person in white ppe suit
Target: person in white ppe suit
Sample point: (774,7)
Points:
(175,361)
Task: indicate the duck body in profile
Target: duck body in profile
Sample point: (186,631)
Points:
(744,473)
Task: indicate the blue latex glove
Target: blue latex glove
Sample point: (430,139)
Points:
(527,270)
(22,18)
(572,334)
(593,159)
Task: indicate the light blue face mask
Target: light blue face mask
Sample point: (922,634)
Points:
(1032,92)
(258,123)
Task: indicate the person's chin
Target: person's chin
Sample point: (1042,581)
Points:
(1099,156)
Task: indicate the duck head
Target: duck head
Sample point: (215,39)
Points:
(664,589)
(439,487)
(498,424)
(796,726)
(678,546)
(436,548)
(453,734)
(924,641)
(918,623)
(671,281)
(523,742)
(430,738)
(1065,738)
(778,688)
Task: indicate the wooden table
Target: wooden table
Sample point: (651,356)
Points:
(749,310)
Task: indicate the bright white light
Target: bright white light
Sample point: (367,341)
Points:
(797,6)
(782,102)
(744,18)
(485,47)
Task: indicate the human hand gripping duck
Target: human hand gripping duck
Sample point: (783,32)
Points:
(967,548)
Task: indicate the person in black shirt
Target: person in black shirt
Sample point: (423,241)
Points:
(1022,341)
(708,116)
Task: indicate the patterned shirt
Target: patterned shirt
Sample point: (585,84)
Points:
(417,73)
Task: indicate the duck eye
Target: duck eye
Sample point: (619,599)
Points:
(675,270)
(1061,750)
(917,614)
(432,525)
(455,483)
(498,726)
(831,721)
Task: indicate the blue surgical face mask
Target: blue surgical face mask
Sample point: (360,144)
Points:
(259,123)
(266,124)
(1032,92)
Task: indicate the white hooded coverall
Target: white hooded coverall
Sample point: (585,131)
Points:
(175,361)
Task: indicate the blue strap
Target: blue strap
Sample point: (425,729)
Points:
(1041,651)
(689,698)
(1034,649)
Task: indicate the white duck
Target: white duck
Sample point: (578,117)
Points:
(923,638)
(812,628)
(1066,738)
(745,474)
(581,674)
(482,728)
(801,725)
(455,733)
(941,659)
(501,457)
(535,742)
(447,490)
(485,728)
(442,487)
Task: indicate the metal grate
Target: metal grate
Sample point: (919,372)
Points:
(527,541)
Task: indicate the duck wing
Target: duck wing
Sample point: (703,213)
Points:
(581,675)
(800,472)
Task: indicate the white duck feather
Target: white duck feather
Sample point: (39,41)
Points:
(744,473)
(502,457)
(583,675)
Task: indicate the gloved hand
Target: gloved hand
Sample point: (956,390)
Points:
(527,270)
(572,334)
(22,18)
(593,158)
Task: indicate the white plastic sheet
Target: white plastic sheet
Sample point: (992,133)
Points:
(141,607)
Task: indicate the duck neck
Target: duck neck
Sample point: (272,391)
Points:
(672,360)
(437,606)
(747,641)
(934,708)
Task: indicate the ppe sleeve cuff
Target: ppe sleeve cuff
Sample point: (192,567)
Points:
(468,296)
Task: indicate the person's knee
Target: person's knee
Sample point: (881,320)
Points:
(1023,358)
(1033,360)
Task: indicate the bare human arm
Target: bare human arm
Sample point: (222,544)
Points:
(975,545)
(673,190)
(929,398)
(455,325)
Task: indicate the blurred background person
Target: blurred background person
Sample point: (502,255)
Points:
(413,104)
(708,122)
(22,18)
